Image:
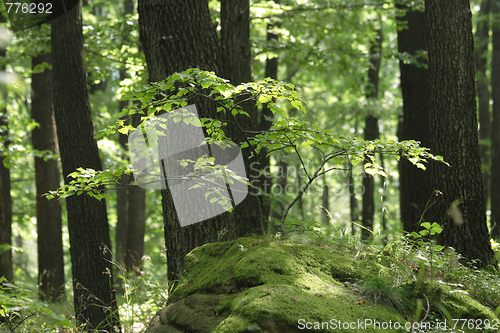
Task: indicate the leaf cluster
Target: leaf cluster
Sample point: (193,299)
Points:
(286,134)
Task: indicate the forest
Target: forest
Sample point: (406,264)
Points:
(250,165)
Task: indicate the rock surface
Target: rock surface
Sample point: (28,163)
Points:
(268,285)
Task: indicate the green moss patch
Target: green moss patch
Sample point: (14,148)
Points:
(263,285)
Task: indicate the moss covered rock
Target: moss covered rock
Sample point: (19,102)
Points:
(267,285)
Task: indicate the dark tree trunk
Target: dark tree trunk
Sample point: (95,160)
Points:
(460,209)
(483,93)
(122,209)
(415,184)
(371,133)
(5,197)
(281,185)
(5,262)
(265,123)
(49,220)
(136,227)
(495,130)
(132,202)
(383,219)
(353,202)
(94,298)
(237,68)
(186,39)
(325,219)
(301,201)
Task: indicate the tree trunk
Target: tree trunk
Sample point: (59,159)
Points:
(281,185)
(483,93)
(301,201)
(5,263)
(237,68)
(49,220)
(94,298)
(414,183)
(130,201)
(265,123)
(186,39)
(353,202)
(5,197)
(495,133)
(371,133)
(136,227)
(460,209)
(325,219)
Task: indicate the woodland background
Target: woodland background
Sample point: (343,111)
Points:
(361,68)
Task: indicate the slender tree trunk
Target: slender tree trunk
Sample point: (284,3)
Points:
(383,219)
(131,204)
(237,67)
(483,93)
(49,220)
(460,209)
(186,39)
(301,201)
(265,123)
(371,133)
(94,298)
(122,198)
(5,197)
(495,130)
(353,202)
(136,228)
(415,184)
(281,184)
(325,219)
(5,262)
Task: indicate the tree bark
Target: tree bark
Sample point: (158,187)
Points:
(281,184)
(415,184)
(5,263)
(94,298)
(136,227)
(49,220)
(483,93)
(186,39)
(237,68)
(5,197)
(495,134)
(460,209)
(265,123)
(371,133)
(353,202)
(325,219)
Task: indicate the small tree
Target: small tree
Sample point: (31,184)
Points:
(286,134)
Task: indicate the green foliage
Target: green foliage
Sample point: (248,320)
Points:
(286,134)
(89,181)
(18,310)
(387,291)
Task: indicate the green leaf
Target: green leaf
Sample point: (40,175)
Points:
(426,225)
(123,130)
(414,235)
(264,99)
(424,232)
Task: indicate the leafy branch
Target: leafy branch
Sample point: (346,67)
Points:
(286,134)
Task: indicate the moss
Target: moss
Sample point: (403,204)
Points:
(456,303)
(268,285)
